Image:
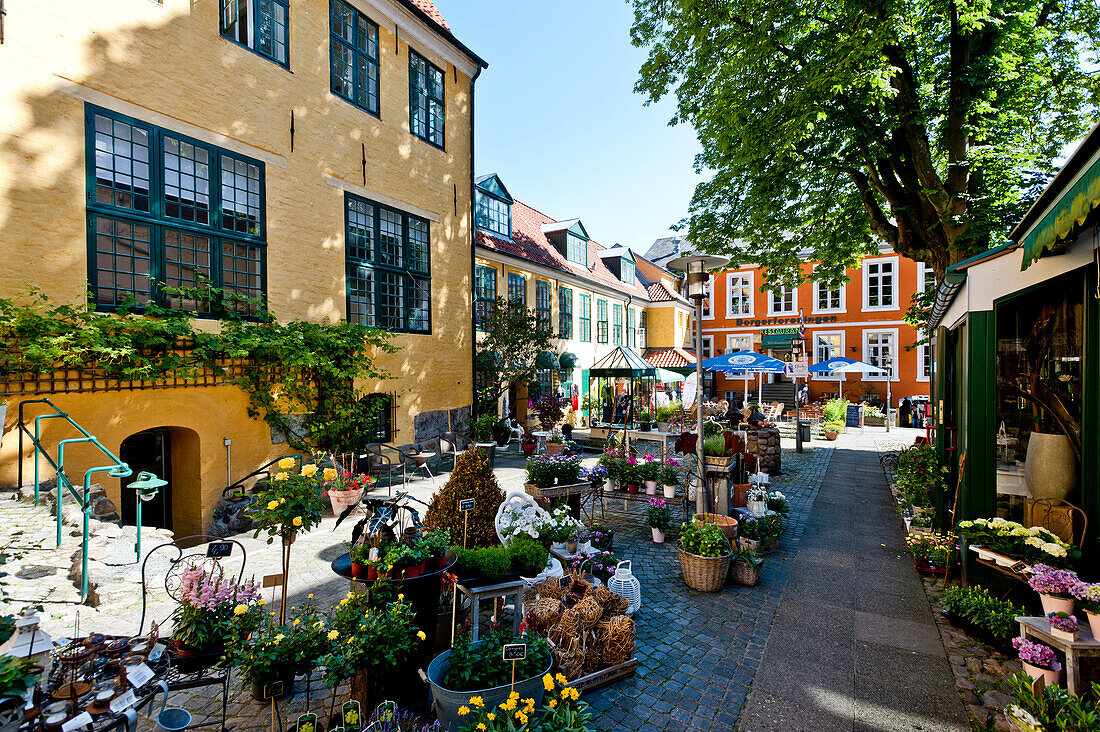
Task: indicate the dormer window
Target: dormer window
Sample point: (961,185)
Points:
(626,271)
(570,238)
(576,249)
(493,210)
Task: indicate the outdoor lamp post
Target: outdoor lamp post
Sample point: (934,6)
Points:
(697,268)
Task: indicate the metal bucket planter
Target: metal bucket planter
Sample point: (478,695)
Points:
(447,702)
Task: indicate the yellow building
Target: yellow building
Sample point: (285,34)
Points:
(315,154)
(593,298)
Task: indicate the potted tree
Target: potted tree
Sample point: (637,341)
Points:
(704,556)
(659,518)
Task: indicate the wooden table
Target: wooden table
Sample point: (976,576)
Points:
(652,436)
(1084,647)
(491,592)
(604,495)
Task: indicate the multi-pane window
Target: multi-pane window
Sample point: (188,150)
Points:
(781,301)
(388,267)
(427,116)
(585,319)
(828,345)
(878,284)
(166,211)
(542,305)
(708,347)
(626,271)
(617,325)
(261,25)
(740,295)
(493,215)
(879,349)
(485,294)
(735,343)
(354,57)
(708,296)
(630,342)
(827,298)
(565,313)
(517,288)
(576,249)
(924,362)
(601,321)
(926,277)
(642,337)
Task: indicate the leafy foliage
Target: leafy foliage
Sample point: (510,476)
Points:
(930,126)
(16,675)
(919,475)
(369,635)
(291,501)
(704,539)
(506,354)
(1055,708)
(481,665)
(471,478)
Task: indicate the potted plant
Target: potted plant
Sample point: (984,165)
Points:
(976,611)
(758,500)
(477,670)
(599,565)
(762,532)
(529,443)
(778,502)
(1039,660)
(202,623)
(630,475)
(602,536)
(502,432)
(644,420)
(559,527)
(715,451)
(664,417)
(346,489)
(704,556)
(613,461)
(659,517)
(1064,626)
(670,476)
(1055,588)
(1007,542)
(650,470)
(597,474)
(745,568)
(264,652)
(17,675)
(555,442)
(932,553)
(1087,596)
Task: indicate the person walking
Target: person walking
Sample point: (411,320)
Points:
(905,413)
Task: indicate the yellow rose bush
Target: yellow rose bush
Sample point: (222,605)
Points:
(291,502)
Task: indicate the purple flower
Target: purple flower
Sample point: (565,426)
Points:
(1063,622)
(1049,581)
(1036,654)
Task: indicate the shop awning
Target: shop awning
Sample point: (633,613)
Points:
(665,376)
(568,360)
(622,361)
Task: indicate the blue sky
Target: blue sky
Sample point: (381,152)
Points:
(558,120)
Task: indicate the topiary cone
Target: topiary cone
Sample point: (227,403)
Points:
(471,478)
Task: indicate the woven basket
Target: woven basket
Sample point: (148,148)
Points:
(745,574)
(706,574)
(727,523)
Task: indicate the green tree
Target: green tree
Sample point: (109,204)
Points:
(930,125)
(509,350)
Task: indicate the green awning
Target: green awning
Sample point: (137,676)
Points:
(623,361)
(568,361)
(665,376)
(1070,211)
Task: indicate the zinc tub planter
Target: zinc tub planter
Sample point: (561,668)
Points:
(448,701)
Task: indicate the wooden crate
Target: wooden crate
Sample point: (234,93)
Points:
(557,491)
(603,677)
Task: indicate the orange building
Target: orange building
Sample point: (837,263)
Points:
(862,319)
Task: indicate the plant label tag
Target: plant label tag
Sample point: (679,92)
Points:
(515,651)
(466,504)
(272,690)
(81,720)
(273,580)
(307,722)
(338,729)
(219,549)
(1019,567)
(385,712)
(353,717)
(157,652)
(139,675)
(123,702)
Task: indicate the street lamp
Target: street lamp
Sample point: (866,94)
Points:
(697,268)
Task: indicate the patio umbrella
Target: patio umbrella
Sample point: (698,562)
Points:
(745,362)
(843,365)
(664,376)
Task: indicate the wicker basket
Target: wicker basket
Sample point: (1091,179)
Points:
(706,574)
(746,574)
(727,523)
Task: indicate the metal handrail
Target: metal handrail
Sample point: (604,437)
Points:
(260,471)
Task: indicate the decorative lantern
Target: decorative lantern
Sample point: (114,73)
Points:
(626,584)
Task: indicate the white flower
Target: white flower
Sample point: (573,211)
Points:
(1054,550)
(1034,541)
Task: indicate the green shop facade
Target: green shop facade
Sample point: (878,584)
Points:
(1016,374)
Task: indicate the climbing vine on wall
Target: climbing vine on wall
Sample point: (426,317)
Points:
(311,368)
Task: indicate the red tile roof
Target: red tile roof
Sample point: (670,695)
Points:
(429,9)
(530,243)
(669,358)
(660,292)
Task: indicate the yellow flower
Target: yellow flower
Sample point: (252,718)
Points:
(573,693)
(263,601)
(240,610)
(463,711)
(561,679)
(553,703)
(477,701)
(286,463)
(344,601)
(297,621)
(310,596)
(281,476)
(490,716)
(297,521)
(333,634)
(421,636)
(271,505)
(548,682)
(529,705)
(330,474)
(513,695)
(521,717)
(481,725)
(282,501)
(400,596)
(278,638)
(309,470)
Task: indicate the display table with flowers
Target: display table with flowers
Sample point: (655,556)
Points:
(1086,646)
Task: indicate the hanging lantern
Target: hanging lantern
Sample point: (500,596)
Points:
(626,584)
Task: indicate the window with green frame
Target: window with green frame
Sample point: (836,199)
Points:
(617,332)
(427,108)
(517,288)
(168,211)
(493,215)
(630,327)
(262,26)
(485,294)
(586,318)
(576,249)
(601,321)
(353,57)
(542,306)
(565,313)
(388,267)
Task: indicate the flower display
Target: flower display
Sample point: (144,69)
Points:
(778,502)
(1087,596)
(347,481)
(208,603)
(671,471)
(934,549)
(1063,622)
(758,493)
(289,503)
(601,564)
(1028,544)
(546,470)
(658,515)
(1054,582)
(1037,654)
(559,526)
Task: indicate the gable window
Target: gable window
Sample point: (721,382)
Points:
(576,249)
(601,321)
(388,268)
(782,301)
(585,319)
(739,304)
(626,271)
(354,57)
(493,215)
(617,325)
(485,294)
(880,349)
(630,342)
(427,116)
(517,288)
(565,313)
(168,211)
(879,284)
(260,25)
(542,305)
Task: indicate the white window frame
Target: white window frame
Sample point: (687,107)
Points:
(816,290)
(783,292)
(708,301)
(708,347)
(894,299)
(924,351)
(733,339)
(748,290)
(894,370)
(923,270)
(840,350)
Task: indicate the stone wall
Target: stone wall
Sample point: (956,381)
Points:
(764,443)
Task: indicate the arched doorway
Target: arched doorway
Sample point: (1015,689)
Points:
(149,450)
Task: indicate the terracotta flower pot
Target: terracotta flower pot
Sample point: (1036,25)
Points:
(1052,604)
(658,535)
(528,449)
(554,448)
(358,570)
(740,493)
(632,488)
(1049,676)
(340,500)
(1094,623)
